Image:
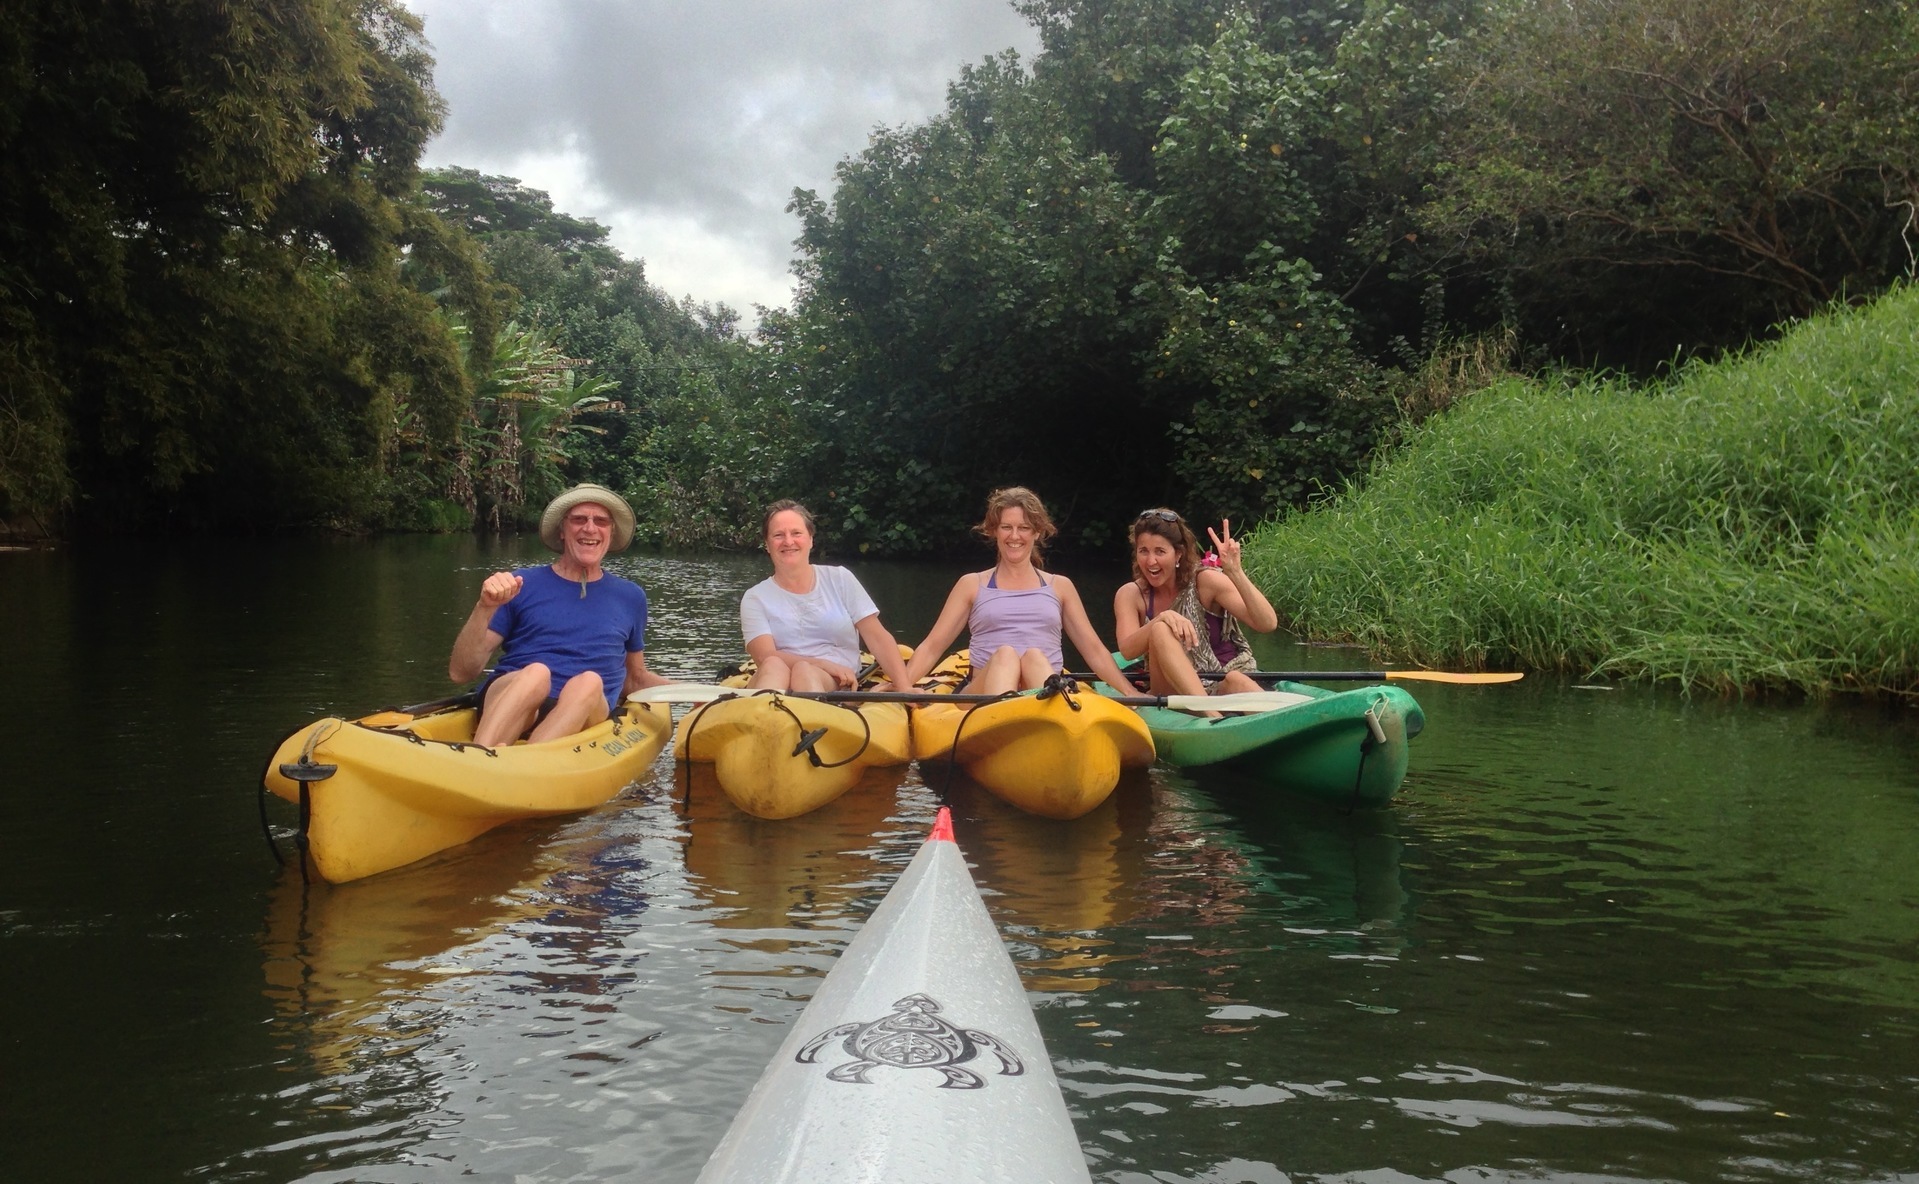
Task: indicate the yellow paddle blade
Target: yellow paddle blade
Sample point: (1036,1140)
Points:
(1448,676)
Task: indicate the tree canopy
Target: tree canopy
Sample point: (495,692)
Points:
(1682,173)
(668,368)
(202,213)
(1209,251)
(1205,252)
(1107,279)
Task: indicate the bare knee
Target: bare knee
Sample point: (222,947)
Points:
(580,704)
(585,684)
(1236,683)
(773,674)
(998,674)
(510,704)
(808,677)
(1163,645)
(1001,659)
(532,674)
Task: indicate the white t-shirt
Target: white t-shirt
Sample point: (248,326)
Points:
(819,624)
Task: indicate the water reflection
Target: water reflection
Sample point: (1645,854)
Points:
(336,953)
(1338,870)
(793,873)
(1046,875)
(1052,885)
(1619,936)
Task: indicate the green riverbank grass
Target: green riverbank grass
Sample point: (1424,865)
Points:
(1751,524)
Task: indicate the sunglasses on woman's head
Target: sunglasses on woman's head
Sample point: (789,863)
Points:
(1161,515)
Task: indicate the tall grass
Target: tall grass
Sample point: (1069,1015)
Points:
(1748,524)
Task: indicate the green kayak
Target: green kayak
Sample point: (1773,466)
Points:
(1343,747)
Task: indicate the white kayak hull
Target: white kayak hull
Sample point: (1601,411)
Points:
(917,1060)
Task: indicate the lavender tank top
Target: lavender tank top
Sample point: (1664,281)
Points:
(1024,618)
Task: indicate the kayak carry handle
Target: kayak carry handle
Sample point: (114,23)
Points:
(807,741)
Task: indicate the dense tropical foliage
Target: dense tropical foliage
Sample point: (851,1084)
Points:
(618,377)
(1215,253)
(1645,176)
(1207,252)
(202,212)
(226,300)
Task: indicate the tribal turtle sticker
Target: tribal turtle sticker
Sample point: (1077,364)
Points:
(913,1037)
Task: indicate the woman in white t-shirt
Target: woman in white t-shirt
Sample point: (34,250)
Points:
(804,625)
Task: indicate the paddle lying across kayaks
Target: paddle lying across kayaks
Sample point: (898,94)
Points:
(918,1058)
(389,788)
(1060,755)
(699,692)
(1270,676)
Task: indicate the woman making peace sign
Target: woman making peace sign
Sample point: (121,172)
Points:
(1183,616)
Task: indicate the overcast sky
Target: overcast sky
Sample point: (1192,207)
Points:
(685,126)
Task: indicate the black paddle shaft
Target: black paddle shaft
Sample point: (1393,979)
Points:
(943,697)
(1281,675)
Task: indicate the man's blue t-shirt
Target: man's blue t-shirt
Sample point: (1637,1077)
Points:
(550,622)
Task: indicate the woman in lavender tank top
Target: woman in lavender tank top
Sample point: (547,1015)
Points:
(1184,617)
(1014,610)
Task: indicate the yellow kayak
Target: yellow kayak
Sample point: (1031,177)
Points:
(404,786)
(1056,755)
(777,756)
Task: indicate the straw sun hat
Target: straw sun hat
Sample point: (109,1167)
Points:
(556,511)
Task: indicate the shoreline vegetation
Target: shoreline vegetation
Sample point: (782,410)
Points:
(1210,254)
(1746,525)
(1218,254)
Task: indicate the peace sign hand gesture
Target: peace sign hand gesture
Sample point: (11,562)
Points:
(1225,545)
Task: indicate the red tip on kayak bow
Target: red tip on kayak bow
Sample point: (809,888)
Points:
(942,827)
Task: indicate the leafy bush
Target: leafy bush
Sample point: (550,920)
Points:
(1747,524)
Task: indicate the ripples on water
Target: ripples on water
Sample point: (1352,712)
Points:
(1602,937)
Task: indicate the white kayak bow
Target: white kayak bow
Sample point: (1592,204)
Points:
(918,1059)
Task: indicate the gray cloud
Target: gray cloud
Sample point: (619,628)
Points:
(685,127)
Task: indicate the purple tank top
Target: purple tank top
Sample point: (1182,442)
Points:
(1024,618)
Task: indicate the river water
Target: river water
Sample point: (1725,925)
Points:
(1602,936)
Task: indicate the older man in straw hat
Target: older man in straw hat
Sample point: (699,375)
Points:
(575,635)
